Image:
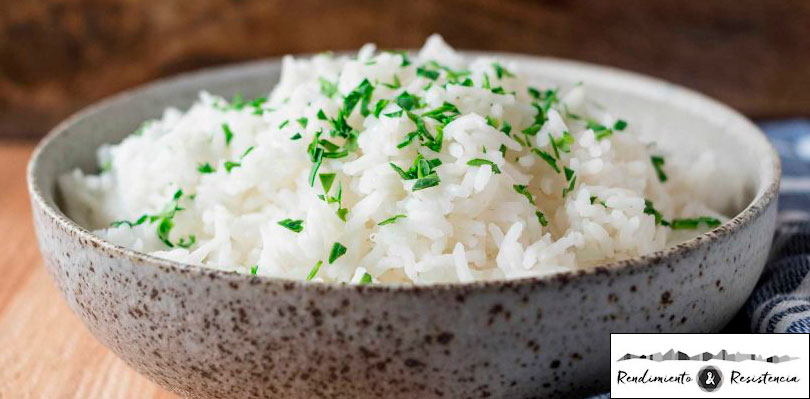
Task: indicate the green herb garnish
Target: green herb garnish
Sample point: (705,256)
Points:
(481,162)
(228,133)
(140,220)
(541,218)
(390,220)
(231,164)
(548,158)
(328,88)
(524,191)
(337,251)
(594,199)
(693,223)
(426,182)
(205,168)
(254,269)
(408,101)
(500,71)
(326,181)
(294,225)
(365,279)
(430,74)
(379,107)
(658,164)
(649,209)
(314,270)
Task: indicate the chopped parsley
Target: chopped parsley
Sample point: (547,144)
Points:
(183,243)
(395,85)
(408,101)
(548,158)
(164,222)
(140,220)
(283,124)
(600,131)
(649,209)
(379,107)
(361,94)
(524,191)
(326,181)
(493,122)
(444,114)
(314,270)
(337,251)
(481,162)
(294,225)
(228,133)
(229,165)
(365,279)
(421,167)
(594,199)
(254,269)
(682,224)
(571,178)
(507,128)
(390,220)
(428,73)
(541,218)
(658,163)
(205,168)
(620,125)
(328,88)
(501,72)
(303,121)
(563,143)
(431,180)
(296,136)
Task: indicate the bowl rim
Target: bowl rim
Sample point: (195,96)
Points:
(767,191)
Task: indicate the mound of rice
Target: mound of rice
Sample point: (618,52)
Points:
(392,169)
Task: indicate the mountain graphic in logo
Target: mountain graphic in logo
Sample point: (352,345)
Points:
(722,355)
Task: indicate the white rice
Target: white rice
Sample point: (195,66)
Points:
(472,226)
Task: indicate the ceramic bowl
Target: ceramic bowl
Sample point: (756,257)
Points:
(209,334)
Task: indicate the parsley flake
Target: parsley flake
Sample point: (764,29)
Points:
(337,251)
(294,225)
(658,164)
(314,270)
(390,220)
(228,133)
(205,168)
(482,162)
(524,191)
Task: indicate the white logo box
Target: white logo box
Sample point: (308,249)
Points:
(736,365)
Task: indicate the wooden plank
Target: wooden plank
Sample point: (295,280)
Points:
(45,351)
(58,56)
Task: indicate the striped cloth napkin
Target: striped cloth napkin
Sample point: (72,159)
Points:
(781,301)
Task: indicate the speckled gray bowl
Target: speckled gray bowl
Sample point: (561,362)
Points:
(203,333)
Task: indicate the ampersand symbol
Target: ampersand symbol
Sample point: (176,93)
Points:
(709,378)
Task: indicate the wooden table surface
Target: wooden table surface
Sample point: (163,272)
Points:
(45,351)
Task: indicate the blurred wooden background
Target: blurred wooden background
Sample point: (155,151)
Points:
(56,56)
